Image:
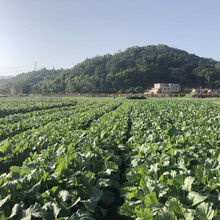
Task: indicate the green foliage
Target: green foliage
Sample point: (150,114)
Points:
(174,161)
(159,91)
(156,159)
(132,71)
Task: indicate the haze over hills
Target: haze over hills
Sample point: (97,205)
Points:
(4,80)
(133,70)
(5,77)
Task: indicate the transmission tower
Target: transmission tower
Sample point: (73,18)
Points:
(35,66)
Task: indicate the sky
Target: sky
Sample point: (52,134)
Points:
(61,33)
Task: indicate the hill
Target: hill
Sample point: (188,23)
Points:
(5,79)
(133,70)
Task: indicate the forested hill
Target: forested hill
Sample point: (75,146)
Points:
(133,70)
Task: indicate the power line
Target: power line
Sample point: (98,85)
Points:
(18,67)
(16,71)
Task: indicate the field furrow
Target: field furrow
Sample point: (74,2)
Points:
(114,159)
(14,150)
(23,122)
(14,107)
(174,169)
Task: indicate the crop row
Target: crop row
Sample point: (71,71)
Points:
(15,107)
(162,157)
(76,177)
(15,149)
(175,162)
(15,124)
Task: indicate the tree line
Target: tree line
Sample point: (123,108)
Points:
(131,71)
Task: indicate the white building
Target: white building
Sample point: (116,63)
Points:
(166,88)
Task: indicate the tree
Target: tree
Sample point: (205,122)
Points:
(139,89)
(129,70)
(159,91)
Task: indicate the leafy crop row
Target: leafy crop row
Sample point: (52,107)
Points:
(14,150)
(15,107)
(17,123)
(175,162)
(115,159)
(74,179)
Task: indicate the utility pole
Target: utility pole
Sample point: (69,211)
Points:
(35,66)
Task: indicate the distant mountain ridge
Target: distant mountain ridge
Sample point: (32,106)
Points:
(133,70)
(6,77)
(4,80)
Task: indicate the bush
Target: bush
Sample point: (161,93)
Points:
(139,89)
(131,90)
(121,91)
(175,95)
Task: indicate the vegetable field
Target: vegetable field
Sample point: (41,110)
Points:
(110,159)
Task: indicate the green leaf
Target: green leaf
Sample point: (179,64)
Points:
(178,180)
(53,191)
(190,214)
(195,198)
(52,209)
(16,210)
(15,171)
(36,175)
(96,194)
(127,210)
(24,171)
(150,199)
(145,214)
(2,216)
(204,211)
(90,204)
(27,217)
(103,134)
(172,131)
(75,202)
(88,178)
(3,179)
(10,186)
(64,195)
(62,166)
(200,173)
(177,207)
(3,201)
(132,176)
(80,214)
(34,211)
(35,189)
(188,183)
(166,214)
(104,183)
(44,177)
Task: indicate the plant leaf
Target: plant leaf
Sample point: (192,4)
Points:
(35,211)
(64,195)
(3,201)
(16,210)
(196,198)
(188,183)
(204,211)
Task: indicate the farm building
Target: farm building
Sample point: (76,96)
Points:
(166,88)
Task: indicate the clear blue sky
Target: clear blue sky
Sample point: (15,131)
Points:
(62,33)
